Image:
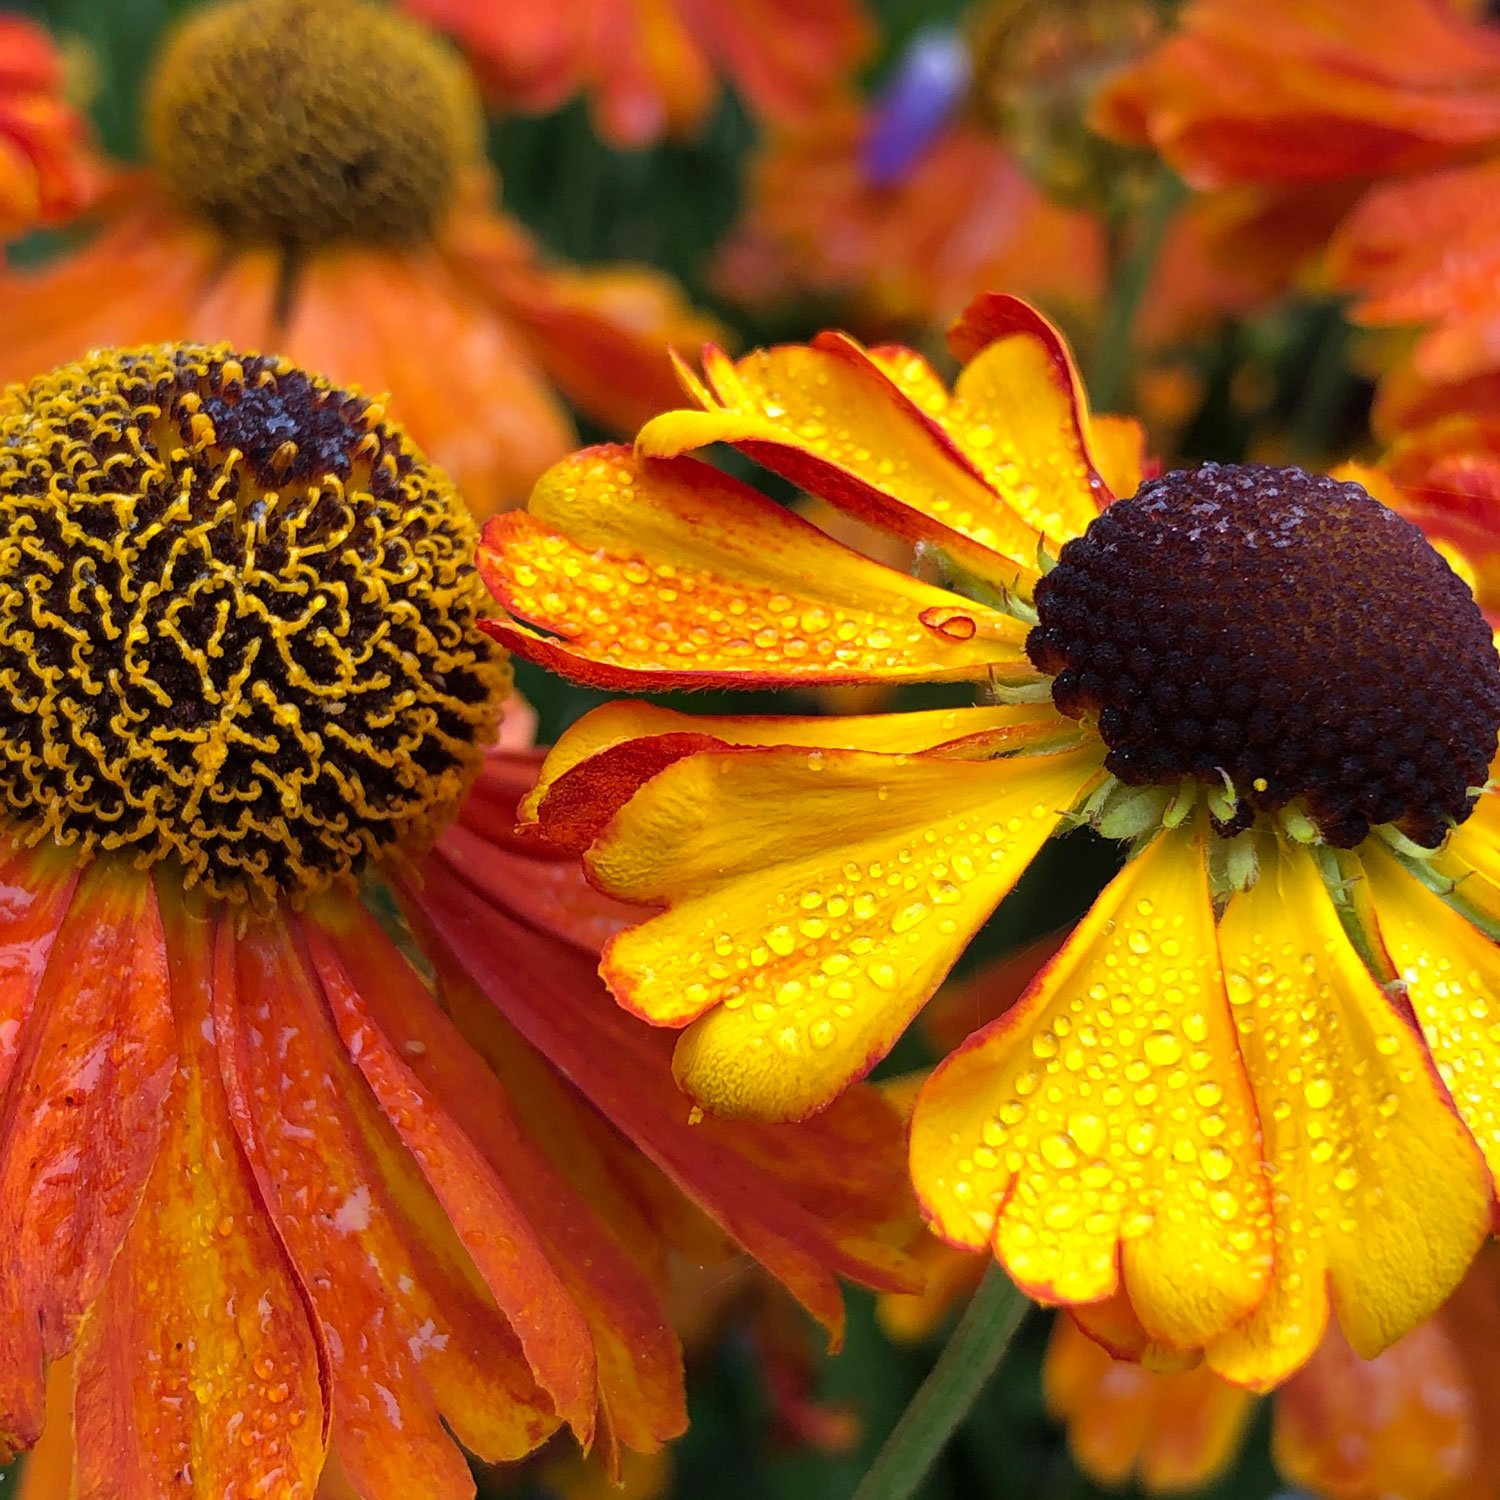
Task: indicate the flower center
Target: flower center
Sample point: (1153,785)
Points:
(1281,632)
(238,622)
(307,122)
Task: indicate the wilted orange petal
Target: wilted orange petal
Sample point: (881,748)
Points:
(654,573)
(1362,1139)
(80,1125)
(602,759)
(1402,1424)
(807,944)
(200,1358)
(810,1203)
(411,1332)
(1105,1143)
(829,418)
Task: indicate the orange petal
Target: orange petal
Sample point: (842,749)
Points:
(829,418)
(412,1334)
(1401,1424)
(639,1364)
(1450,973)
(1020,413)
(47,1473)
(1362,1141)
(665,574)
(1101,1132)
(605,756)
(137,283)
(1172,1432)
(36,887)
(352,317)
(806,945)
(200,1358)
(353,959)
(80,1125)
(810,1203)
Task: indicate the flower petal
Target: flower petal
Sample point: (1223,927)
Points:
(412,1334)
(1401,1424)
(663,574)
(353,960)
(828,417)
(200,1357)
(810,1203)
(1172,1432)
(1451,977)
(80,1125)
(807,943)
(1020,413)
(602,759)
(35,891)
(1101,1132)
(1380,1194)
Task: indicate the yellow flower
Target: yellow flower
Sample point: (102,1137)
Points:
(320,1142)
(1225,1104)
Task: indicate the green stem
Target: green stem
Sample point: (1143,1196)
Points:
(1324,393)
(943,1400)
(1129,279)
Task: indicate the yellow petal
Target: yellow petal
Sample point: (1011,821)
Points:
(1451,973)
(655,574)
(623,722)
(1103,1126)
(1380,1195)
(807,940)
(829,418)
(1471,859)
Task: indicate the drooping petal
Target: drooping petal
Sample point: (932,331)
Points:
(80,1125)
(353,958)
(1171,1432)
(35,890)
(200,1363)
(1362,1141)
(568,1289)
(1101,1133)
(1450,974)
(831,419)
(412,1333)
(353,318)
(601,760)
(806,943)
(1401,1424)
(658,574)
(810,1203)
(1020,412)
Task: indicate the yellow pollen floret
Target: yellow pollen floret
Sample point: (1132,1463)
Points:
(306,122)
(238,622)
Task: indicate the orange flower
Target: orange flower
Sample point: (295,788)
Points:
(1392,110)
(317,1131)
(47,169)
(1417,1421)
(348,219)
(909,252)
(1223,1111)
(652,67)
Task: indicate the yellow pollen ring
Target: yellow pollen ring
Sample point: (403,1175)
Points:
(238,623)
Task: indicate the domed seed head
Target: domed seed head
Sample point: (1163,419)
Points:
(1282,629)
(309,122)
(238,623)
